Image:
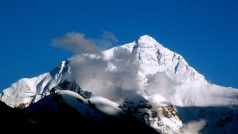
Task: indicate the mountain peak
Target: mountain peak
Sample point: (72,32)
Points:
(142,79)
(146,38)
(146,41)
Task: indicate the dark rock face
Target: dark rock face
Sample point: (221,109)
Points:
(52,114)
(73,86)
(12,118)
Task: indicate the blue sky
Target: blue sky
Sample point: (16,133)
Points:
(204,32)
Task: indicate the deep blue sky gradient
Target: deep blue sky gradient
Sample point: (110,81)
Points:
(204,32)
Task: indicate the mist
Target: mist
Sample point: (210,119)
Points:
(93,74)
(194,127)
(160,83)
(205,95)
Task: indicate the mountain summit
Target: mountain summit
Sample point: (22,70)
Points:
(142,77)
(146,41)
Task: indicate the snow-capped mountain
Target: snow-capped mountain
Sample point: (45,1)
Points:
(152,57)
(143,71)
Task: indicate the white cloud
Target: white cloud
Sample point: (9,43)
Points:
(161,84)
(79,44)
(91,74)
(194,127)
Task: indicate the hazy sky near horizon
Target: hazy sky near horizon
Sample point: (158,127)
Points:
(204,32)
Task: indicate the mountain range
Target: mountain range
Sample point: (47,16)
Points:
(141,83)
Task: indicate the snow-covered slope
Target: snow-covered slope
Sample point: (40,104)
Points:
(30,90)
(152,57)
(162,118)
(156,63)
(144,68)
